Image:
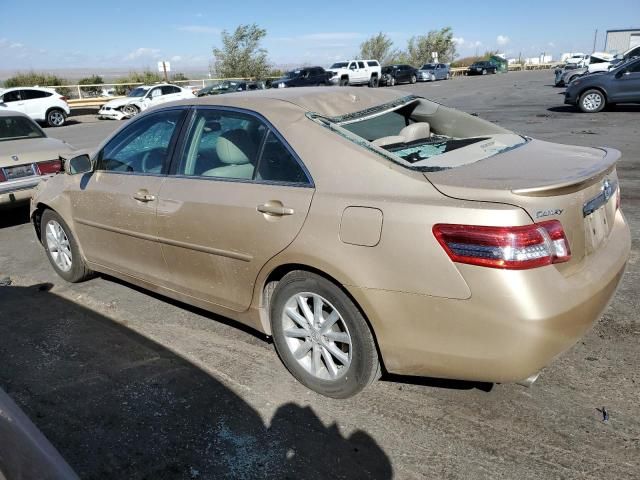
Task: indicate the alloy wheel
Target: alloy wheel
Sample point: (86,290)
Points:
(56,118)
(592,101)
(59,246)
(317,336)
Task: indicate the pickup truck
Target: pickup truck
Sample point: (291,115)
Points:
(303,77)
(355,72)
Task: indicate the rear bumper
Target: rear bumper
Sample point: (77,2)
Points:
(514,324)
(18,191)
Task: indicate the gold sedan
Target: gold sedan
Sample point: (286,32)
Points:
(363,229)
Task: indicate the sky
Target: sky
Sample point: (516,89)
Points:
(40,34)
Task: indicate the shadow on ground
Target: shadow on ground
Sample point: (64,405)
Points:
(118,405)
(14,215)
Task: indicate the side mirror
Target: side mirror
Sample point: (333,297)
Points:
(78,165)
(621,73)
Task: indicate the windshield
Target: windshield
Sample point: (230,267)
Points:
(292,74)
(339,65)
(15,128)
(387,69)
(428,66)
(138,92)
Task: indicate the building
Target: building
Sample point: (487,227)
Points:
(619,41)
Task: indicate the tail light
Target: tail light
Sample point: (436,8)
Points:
(2,177)
(512,248)
(65,99)
(49,168)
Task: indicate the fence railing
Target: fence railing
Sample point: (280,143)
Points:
(79,96)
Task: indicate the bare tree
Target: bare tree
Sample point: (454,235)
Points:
(379,47)
(241,55)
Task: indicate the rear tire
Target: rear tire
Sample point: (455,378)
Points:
(373,82)
(321,336)
(413,79)
(344,82)
(62,249)
(484,71)
(56,117)
(592,101)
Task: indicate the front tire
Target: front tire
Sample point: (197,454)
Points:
(130,111)
(56,117)
(321,336)
(62,249)
(592,101)
(344,82)
(484,71)
(414,79)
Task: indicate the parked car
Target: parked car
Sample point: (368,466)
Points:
(27,156)
(430,72)
(230,86)
(40,104)
(303,77)
(564,76)
(578,60)
(482,68)
(355,72)
(393,74)
(358,228)
(141,98)
(591,93)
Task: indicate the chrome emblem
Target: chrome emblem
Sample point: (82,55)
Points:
(607,190)
(14,158)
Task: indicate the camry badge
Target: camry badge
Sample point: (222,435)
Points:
(14,158)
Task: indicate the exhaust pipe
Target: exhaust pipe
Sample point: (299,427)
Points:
(527,382)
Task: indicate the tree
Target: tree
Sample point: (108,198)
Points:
(241,55)
(32,79)
(421,47)
(92,80)
(379,47)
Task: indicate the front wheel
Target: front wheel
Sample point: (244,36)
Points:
(344,82)
(56,117)
(414,79)
(484,71)
(392,82)
(592,101)
(130,110)
(62,249)
(321,336)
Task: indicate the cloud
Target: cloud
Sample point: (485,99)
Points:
(551,44)
(16,45)
(176,58)
(462,43)
(458,40)
(143,52)
(502,40)
(197,29)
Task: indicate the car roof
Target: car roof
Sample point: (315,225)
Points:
(326,101)
(24,87)
(12,113)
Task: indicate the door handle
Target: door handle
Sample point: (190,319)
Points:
(144,196)
(275,208)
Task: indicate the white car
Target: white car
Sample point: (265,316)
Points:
(355,72)
(140,99)
(41,104)
(578,60)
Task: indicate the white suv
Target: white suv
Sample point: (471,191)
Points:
(41,104)
(355,72)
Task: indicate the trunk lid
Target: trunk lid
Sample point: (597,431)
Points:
(575,185)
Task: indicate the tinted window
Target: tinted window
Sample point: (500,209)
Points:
(372,64)
(13,128)
(277,164)
(222,144)
(360,64)
(634,68)
(142,147)
(13,96)
(31,94)
(168,89)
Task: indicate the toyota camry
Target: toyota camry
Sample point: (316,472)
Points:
(365,230)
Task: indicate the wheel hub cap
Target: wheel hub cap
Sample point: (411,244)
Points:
(58,246)
(317,336)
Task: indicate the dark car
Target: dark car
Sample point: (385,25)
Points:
(229,86)
(303,77)
(393,74)
(591,93)
(482,68)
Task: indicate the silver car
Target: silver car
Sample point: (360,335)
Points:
(430,72)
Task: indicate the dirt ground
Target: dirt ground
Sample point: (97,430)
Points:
(126,384)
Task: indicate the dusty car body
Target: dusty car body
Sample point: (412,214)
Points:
(564,76)
(431,72)
(27,156)
(453,247)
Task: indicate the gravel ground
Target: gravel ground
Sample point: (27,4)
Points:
(126,384)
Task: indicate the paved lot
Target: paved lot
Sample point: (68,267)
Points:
(129,385)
